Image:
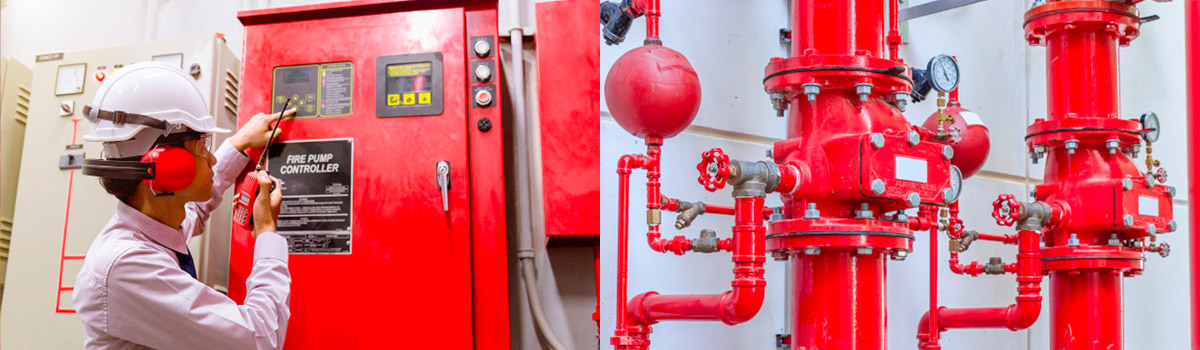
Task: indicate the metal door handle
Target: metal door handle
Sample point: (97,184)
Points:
(443,183)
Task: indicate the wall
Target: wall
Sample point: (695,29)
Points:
(1003,80)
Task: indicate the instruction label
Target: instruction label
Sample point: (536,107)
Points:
(317,177)
(315,90)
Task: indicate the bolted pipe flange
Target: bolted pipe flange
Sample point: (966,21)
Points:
(877,140)
(1073,241)
(1127,220)
(947,152)
(812,250)
(1112,145)
(779,103)
(913,138)
(864,213)
(901,98)
(811,90)
(899,254)
(912,199)
(878,187)
(1071,145)
(863,90)
(812,212)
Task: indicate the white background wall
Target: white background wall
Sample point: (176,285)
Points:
(1003,79)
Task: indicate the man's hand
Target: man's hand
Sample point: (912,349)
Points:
(257,131)
(266,205)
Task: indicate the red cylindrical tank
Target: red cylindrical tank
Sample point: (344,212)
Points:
(653,92)
(974,142)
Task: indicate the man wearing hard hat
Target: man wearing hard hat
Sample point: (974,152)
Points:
(138,287)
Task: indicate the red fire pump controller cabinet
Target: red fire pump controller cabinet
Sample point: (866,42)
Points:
(392,170)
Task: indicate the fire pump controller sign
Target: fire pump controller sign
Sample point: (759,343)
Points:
(317,175)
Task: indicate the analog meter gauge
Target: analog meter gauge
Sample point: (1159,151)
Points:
(943,73)
(174,60)
(70,79)
(951,194)
(1150,127)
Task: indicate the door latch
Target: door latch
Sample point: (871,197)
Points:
(443,183)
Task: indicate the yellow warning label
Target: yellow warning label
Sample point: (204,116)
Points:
(393,99)
(409,99)
(423,98)
(409,69)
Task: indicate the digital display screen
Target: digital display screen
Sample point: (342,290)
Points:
(410,84)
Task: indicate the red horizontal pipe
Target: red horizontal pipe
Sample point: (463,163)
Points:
(732,307)
(1006,239)
(1014,317)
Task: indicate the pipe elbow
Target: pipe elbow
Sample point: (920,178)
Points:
(636,312)
(628,162)
(741,304)
(1022,314)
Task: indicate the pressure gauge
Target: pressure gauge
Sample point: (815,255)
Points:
(943,73)
(950,195)
(1150,124)
(70,79)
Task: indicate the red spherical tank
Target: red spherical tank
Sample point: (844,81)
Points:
(974,142)
(653,92)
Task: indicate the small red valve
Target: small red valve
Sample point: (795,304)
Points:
(1006,210)
(714,169)
(1161,175)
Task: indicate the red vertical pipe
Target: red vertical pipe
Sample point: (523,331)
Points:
(652,14)
(838,27)
(1192,20)
(625,167)
(840,300)
(1082,301)
(1081,64)
(933,287)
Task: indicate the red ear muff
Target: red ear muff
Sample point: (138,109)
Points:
(174,168)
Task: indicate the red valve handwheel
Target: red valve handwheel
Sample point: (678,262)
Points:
(1006,209)
(1161,175)
(714,169)
(956,227)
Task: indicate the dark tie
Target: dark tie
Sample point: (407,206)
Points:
(186,263)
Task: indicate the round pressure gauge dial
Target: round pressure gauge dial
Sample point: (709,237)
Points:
(1150,124)
(943,73)
(951,194)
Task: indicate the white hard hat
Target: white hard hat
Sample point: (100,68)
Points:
(142,102)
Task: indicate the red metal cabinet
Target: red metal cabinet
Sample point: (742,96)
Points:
(412,274)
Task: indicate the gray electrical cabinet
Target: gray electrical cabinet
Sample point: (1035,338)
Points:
(59,211)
